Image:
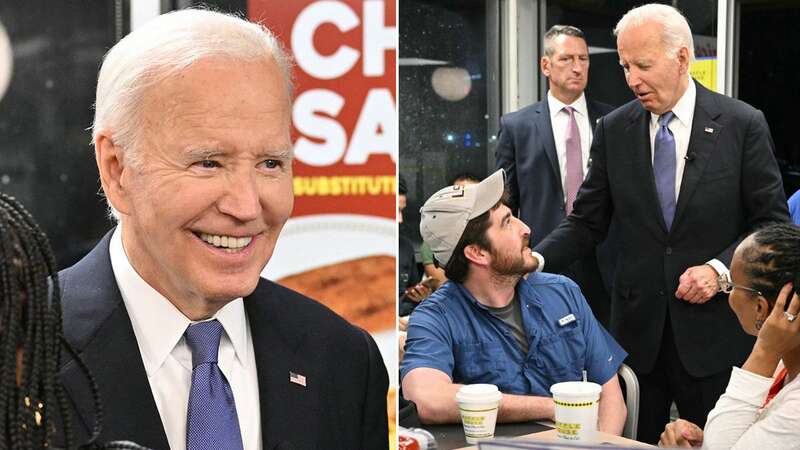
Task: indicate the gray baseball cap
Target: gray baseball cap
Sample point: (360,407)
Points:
(444,216)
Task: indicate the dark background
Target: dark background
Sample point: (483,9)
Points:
(46,160)
(440,139)
(768,75)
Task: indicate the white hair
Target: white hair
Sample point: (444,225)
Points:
(162,48)
(675,31)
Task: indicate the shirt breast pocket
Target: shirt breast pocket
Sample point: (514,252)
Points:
(561,355)
(478,362)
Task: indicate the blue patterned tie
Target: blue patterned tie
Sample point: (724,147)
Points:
(211,421)
(664,166)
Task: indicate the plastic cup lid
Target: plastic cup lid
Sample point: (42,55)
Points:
(478,393)
(576,389)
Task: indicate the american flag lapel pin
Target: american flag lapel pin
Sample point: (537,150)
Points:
(296,378)
(709,130)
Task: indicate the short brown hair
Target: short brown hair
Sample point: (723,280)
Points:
(556,31)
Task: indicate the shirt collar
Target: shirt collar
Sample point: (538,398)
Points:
(159,326)
(684,109)
(523,291)
(465,293)
(526,291)
(556,105)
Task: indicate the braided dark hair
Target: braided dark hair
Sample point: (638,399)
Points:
(773,259)
(31,339)
(30,328)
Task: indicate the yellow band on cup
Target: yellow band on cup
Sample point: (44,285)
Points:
(477,410)
(574,405)
(485,435)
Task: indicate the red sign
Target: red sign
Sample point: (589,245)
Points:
(344,115)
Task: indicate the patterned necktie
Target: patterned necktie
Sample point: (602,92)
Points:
(211,421)
(574,159)
(664,166)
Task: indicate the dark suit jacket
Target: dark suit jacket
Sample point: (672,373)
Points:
(730,186)
(526,150)
(343,405)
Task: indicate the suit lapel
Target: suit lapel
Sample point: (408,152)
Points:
(98,327)
(289,410)
(594,118)
(702,141)
(544,128)
(642,161)
(594,113)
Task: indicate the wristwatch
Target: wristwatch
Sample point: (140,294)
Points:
(723,279)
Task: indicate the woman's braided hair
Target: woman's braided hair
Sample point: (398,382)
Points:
(774,259)
(30,329)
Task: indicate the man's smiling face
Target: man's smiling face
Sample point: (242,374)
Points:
(202,212)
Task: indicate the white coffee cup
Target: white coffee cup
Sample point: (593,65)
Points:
(576,410)
(478,404)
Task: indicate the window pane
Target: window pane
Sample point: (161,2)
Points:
(442,97)
(47,162)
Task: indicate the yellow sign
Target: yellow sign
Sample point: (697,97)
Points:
(704,70)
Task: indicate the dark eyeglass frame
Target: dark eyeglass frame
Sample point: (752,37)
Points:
(728,286)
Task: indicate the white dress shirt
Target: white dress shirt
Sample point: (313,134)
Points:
(159,329)
(559,121)
(738,422)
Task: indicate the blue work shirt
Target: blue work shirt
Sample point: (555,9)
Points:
(794,207)
(451,332)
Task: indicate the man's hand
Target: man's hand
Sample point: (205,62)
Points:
(402,323)
(698,284)
(537,260)
(681,434)
(418,292)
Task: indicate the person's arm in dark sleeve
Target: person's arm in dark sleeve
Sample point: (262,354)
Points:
(762,186)
(587,225)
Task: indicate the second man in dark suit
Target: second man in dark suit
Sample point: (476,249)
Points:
(544,149)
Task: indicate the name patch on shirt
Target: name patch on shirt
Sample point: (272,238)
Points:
(566,319)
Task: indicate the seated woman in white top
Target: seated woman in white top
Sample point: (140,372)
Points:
(761,405)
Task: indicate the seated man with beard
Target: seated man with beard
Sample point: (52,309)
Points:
(490,324)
